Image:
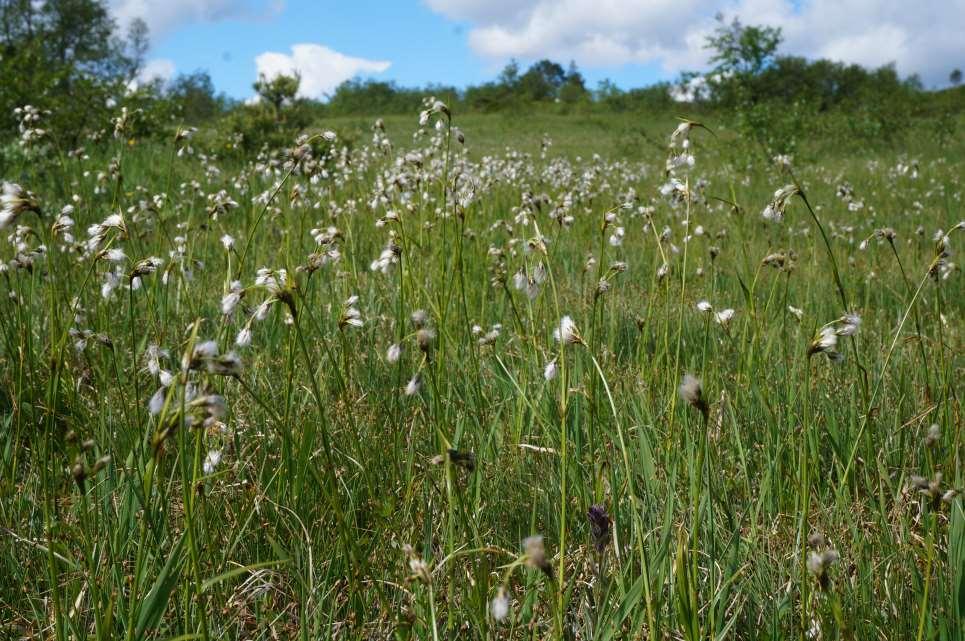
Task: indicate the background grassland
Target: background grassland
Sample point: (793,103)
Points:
(328,470)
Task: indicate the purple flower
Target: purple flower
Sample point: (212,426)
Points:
(599,526)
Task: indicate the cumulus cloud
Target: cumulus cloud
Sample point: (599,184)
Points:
(491,11)
(321,69)
(164,16)
(923,38)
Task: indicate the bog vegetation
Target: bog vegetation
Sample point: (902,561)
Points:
(580,369)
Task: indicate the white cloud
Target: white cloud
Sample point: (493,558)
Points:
(485,11)
(157,69)
(164,16)
(322,69)
(924,37)
(689,91)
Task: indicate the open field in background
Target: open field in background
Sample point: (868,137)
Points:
(318,393)
(618,136)
(643,136)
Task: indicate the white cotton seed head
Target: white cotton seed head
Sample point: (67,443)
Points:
(393,353)
(243,339)
(849,325)
(519,280)
(156,404)
(499,607)
(723,317)
(211,461)
(690,389)
(413,386)
(827,339)
(206,349)
(229,302)
(567,332)
(115,255)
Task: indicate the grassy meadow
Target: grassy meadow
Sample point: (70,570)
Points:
(510,376)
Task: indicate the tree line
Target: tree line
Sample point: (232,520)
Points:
(71,58)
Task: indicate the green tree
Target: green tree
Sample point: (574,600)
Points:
(135,50)
(509,76)
(378,97)
(195,94)
(741,53)
(574,86)
(279,90)
(742,50)
(65,56)
(955,77)
(81,34)
(542,81)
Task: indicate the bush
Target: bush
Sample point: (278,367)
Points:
(249,129)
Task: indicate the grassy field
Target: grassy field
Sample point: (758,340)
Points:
(415,389)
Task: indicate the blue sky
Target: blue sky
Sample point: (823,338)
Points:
(462,42)
(420,45)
